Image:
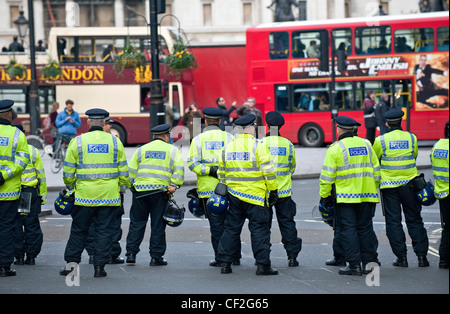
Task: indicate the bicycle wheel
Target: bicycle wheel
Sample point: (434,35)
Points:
(37,142)
(57,161)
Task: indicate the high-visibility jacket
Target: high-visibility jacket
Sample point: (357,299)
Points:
(246,168)
(204,153)
(96,169)
(397,151)
(353,167)
(282,152)
(156,165)
(439,161)
(14,158)
(34,173)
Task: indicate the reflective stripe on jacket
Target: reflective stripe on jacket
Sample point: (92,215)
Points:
(34,173)
(156,165)
(283,156)
(246,168)
(204,153)
(439,162)
(354,168)
(397,151)
(96,168)
(14,158)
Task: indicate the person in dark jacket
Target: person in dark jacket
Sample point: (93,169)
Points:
(225,119)
(380,110)
(370,121)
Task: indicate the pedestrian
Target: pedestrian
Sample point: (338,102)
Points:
(397,151)
(115,248)
(282,152)
(29,236)
(67,122)
(439,161)
(192,118)
(203,160)
(380,109)
(225,119)
(249,108)
(370,122)
(351,165)
(14,158)
(245,167)
(156,171)
(95,168)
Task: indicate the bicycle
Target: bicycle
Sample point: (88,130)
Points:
(59,154)
(40,142)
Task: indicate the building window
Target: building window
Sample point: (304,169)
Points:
(248,14)
(302,10)
(207,14)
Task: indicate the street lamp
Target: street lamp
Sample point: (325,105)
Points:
(22,25)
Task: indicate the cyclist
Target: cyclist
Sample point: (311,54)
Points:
(67,122)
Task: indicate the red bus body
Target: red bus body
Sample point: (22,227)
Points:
(275,77)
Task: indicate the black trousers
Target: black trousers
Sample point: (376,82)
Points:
(259,218)
(444,245)
(338,249)
(394,200)
(358,237)
(285,210)
(216,228)
(29,237)
(82,218)
(8,213)
(142,206)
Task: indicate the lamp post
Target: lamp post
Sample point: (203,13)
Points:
(33,98)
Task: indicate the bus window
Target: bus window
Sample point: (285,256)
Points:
(311,97)
(279,45)
(378,87)
(413,40)
(282,98)
(402,96)
(344,96)
(373,40)
(305,44)
(343,40)
(442,38)
(105,50)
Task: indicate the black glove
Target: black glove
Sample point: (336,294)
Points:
(273,197)
(327,202)
(1,179)
(213,171)
(122,197)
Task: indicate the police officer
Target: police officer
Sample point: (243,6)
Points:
(245,167)
(283,156)
(352,166)
(397,151)
(203,159)
(29,235)
(96,168)
(14,158)
(156,170)
(439,161)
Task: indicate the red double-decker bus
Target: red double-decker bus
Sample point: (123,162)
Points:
(404,56)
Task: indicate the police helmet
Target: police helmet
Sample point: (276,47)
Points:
(426,196)
(194,203)
(64,203)
(217,204)
(173,215)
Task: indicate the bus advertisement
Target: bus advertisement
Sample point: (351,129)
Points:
(405,57)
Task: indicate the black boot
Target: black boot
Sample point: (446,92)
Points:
(6,271)
(400,262)
(131,258)
(30,261)
(423,262)
(116,260)
(99,271)
(334,262)
(158,262)
(19,260)
(354,270)
(265,270)
(292,262)
(226,268)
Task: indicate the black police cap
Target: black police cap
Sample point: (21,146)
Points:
(97,113)
(212,113)
(394,114)
(160,129)
(6,105)
(246,120)
(274,118)
(346,122)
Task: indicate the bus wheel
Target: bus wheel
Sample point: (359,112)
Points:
(311,135)
(119,131)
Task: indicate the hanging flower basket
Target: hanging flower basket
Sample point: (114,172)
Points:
(51,70)
(15,69)
(180,59)
(129,58)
